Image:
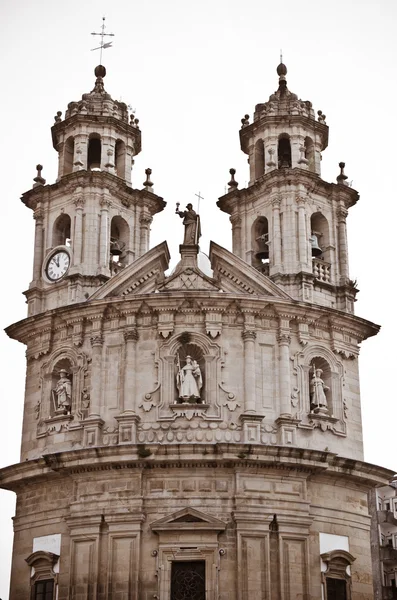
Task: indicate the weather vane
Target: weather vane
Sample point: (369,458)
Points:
(103,45)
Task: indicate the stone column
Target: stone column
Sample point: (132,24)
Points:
(145,222)
(131,338)
(38,243)
(236,234)
(104,235)
(80,152)
(96,371)
(342,245)
(284,374)
(302,233)
(276,241)
(78,230)
(249,370)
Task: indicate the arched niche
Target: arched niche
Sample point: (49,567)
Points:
(207,354)
(320,386)
(310,153)
(284,151)
(94,152)
(119,239)
(57,404)
(259,159)
(61,233)
(68,156)
(120,158)
(322,358)
(260,241)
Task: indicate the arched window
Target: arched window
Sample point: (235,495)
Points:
(336,580)
(260,241)
(119,239)
(94,152)
(44,580)
(284,151)
(309,153)
(259,159)
(320,387)
(120,158)
(68,156)
(61,231)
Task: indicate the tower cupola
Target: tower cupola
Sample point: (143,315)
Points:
(97,133)
(284,133)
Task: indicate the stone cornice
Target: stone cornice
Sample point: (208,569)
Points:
(305,461)
(31,327)
(282,179)
(99,180)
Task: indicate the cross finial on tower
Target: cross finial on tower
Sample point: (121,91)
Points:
(200,197)
(103,45)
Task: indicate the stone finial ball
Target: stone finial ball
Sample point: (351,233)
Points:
(342,165)
(100,71)
(39,167)
(281,70)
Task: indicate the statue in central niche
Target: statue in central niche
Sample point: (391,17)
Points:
(189,381)
(191,221)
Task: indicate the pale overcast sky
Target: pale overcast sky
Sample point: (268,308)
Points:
(192,69)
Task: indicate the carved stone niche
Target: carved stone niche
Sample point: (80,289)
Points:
(337,578)
(188,538)
(332,415)
(209,357)
(56,413)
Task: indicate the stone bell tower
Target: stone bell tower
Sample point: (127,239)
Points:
(91,222)
(289,223)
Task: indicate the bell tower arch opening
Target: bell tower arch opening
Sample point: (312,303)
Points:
(310,153)
(119,239)
(61,231)
(120,158)
(259,159)
(68,156)
(284,151)
(94,152)
(260,241)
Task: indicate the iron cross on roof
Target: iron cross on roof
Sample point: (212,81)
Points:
(103,45)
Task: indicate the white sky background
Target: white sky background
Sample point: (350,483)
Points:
(192,69)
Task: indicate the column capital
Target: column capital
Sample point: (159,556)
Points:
(276,201)
(248,335)
(96,340)
(284,339)
(38,215)
(131,334)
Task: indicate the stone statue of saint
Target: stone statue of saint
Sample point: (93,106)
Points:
(318,400)
(191,221)
(63,393)
(189,381)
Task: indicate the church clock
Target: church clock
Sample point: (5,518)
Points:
(57,265)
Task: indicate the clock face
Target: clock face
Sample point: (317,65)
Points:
(58,265)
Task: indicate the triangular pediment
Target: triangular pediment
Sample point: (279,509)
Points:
(236,276)
(141,277)
(186,277)
(188,518)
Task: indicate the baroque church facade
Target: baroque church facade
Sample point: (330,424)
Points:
(192,436)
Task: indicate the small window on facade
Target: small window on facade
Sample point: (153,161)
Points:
(336,589)
(43,590)
(387,505)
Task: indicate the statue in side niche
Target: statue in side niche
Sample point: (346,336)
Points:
(189,381)
(62,394)
(318,400)
(191,221)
